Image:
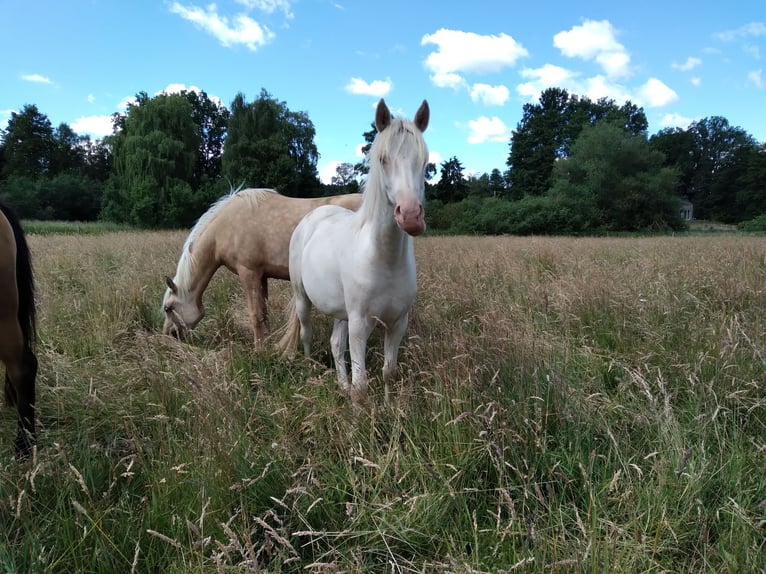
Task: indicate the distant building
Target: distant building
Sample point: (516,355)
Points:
(687,210)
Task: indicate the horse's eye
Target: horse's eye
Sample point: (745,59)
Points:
(168,309)
(383,160)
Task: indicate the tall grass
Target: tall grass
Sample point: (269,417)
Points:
(564,405)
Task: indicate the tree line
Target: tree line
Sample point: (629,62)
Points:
(574,166)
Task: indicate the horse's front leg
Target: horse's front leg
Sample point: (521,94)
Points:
(393,337)
(359,329)
(339,342)
(256,295)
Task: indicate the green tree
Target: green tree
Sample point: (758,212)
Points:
(751,195)
(211,118)
(717,150)
(154,158)
(548,129)
(678,147)
(268,145)
(362,168)
(345,178)
(614,180)
(451,185)
(28,144)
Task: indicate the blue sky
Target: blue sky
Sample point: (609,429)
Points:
(476,62)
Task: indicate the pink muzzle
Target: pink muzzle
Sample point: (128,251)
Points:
(410,217)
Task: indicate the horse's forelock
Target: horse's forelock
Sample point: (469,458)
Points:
(397,139)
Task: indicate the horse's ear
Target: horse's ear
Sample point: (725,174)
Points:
(171,285)
(422,116)
(382,116)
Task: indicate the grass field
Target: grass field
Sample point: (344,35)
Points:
(564,405)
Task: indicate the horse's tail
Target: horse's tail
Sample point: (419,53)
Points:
(25,282)
(292,331)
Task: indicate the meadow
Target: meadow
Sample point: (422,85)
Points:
(563,405)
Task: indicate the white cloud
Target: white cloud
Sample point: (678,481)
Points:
(91,99)
(129,101)
(689,64)
(434,157)
(655,94)
(453,81)
(756,78)
(459,52)
(377,88)
(753,29)
(675,121)
(243,30)
(328,171)
(595,40)
(546,77)
(98,126)
(696,81)
(489,95)
(36,78)
(485,129)
(268,6)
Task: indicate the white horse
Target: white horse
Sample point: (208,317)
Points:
(359,267)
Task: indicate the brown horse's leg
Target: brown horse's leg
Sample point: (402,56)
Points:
(254,285)
(20,375)
(25,405)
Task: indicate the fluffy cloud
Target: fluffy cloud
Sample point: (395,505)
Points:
(655,94)
(268,6)
(459,52)
(36,78)
(241,30)
(755,77)
(489,95)
(689,64)
(675,121)
(377,88)
(97,126)
(485,129)
(595,40)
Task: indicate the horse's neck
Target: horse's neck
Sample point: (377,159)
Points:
(198,269)
(378,219)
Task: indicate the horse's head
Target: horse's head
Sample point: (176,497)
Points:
(401,155)
(182,312)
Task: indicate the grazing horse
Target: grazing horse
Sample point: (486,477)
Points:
(359,267)
(17,327)
(247,231)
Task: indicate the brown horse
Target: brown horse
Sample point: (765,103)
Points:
(247,231)
(17,327)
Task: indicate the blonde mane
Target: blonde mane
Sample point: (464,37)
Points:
(187,262)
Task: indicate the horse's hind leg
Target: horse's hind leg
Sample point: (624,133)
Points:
(20,375)
(303,310)
(256,294)
(339,342)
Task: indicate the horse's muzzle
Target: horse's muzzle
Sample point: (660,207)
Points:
(410,218)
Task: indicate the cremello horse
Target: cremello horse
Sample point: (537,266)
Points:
(17,327)
(247,231)
(359,267)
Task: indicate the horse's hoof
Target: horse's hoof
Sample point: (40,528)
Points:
(359,397)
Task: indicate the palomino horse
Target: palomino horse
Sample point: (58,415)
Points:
(17,327)
(359,267)
(248,231)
